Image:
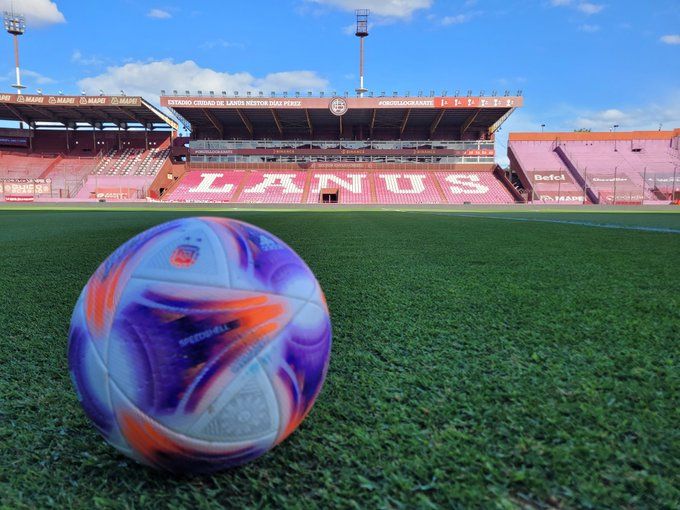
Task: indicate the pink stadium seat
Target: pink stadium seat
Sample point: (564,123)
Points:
(206,186)
(473,187)
(353,187)
(68,175)
(547,173)
(406,188)
(273,188)
(17,166)
(615,171)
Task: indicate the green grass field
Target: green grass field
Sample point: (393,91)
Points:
(478,362)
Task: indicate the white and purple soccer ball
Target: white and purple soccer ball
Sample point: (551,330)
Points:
(199,344)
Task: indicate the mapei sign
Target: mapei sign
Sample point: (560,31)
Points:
(74,101)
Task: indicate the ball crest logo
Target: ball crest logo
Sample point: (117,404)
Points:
(339,106)
(184,256)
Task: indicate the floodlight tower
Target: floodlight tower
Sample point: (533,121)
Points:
(15,25)
(362,33)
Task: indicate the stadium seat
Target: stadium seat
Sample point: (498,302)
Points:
(473,188)
(406,188)
(353,187)
(206,186)
(273,188)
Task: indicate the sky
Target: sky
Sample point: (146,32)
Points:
(579,63)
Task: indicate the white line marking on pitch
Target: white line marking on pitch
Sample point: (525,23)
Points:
(663,230)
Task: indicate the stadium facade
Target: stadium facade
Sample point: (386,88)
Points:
(317,150)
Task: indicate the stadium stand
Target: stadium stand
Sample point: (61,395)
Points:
(407,188)
(604,168)
(546,176)
(473,188)
(24,166)
(206,187)
(68,175)
(359,150)
(341,187)
(72,144)
(272,188)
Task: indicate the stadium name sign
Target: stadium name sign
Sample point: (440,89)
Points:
(233,103)
(74,101)
(339,106)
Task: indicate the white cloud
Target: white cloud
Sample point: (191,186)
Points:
(28,77)
(647,117)
(158,14)
(456,20)
(221,43)
(387,8)
(36,77)
(588,8)
(147,78)
(589,28)
(77,57)
(37,12)
(671,39)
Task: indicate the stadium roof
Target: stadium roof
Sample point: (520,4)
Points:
(594,136)
(126,111)
(341,117)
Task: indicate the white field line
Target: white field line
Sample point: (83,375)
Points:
(616,226)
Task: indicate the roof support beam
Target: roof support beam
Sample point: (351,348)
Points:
(375,113)
(164,118)
(277,121)
(128,114)
(466,125)
(246,122)
(341,126)
(436,122)
(500,121)
(17,114)
(404,122)
(309,123)
(213,120)
(47,114)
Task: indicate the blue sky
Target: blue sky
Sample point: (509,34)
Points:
(580,63)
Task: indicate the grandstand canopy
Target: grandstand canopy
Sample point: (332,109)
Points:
(386,118)
(72,111)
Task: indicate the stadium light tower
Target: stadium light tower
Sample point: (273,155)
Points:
(15,25)
(362,33)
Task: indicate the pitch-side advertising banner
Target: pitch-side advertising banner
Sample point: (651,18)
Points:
(15,189)
(115,193)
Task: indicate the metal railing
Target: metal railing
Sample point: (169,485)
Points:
(342,144)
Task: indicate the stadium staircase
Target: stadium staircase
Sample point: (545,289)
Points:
(576,174)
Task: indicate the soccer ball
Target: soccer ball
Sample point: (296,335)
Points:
(199,345)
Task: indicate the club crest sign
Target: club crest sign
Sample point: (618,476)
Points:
(338,106)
